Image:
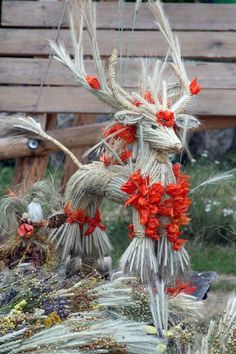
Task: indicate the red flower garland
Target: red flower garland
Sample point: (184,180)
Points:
(80,216)
(143,198)
(150,203)
(94,222)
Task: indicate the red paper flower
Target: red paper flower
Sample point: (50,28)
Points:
(176,170)
(144,214)
(25,230)
(149,97)
(178,244)
(127,133)
(133,182)
(151,228)
(156,193)
(78,215)
(136,102)
(150,233)
(93,82)
(180,287)
(166,118)
(125,155)
(94,222)
(166,208)
(195,88)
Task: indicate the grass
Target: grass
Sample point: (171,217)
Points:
(221,259)
(6,176)
(213,209)
(224,286)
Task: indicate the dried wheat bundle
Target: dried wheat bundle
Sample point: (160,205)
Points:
(47,312)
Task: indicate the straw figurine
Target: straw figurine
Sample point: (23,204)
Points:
(134,168)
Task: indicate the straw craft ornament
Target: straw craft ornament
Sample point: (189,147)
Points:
(134,168)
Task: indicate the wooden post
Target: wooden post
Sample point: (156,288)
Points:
(69,166)
(31,169)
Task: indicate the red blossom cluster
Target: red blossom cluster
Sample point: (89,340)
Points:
(154,201)
(80,216)
(186,288)
(177,204)
(145,199)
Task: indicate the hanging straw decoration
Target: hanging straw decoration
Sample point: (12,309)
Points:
(134,168)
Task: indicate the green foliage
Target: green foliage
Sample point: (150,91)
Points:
(213,209)
(6,175)
(220,259)
(223,285)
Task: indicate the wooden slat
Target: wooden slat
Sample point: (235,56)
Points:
(182,16)
(211,123)
(76,99)
(53,99)
(200,45)
(31,169)
(85,136)
(30,72)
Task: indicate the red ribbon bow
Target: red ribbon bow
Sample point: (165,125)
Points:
(94,222)
(78,215)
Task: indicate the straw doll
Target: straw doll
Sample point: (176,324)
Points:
(134,168)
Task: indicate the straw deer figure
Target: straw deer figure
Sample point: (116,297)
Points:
(134,168)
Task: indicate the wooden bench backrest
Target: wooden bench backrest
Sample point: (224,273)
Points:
(206,32)
(207,35)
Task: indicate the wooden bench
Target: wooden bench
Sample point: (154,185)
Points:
(208,40)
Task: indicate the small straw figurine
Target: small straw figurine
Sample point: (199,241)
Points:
(134,168)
